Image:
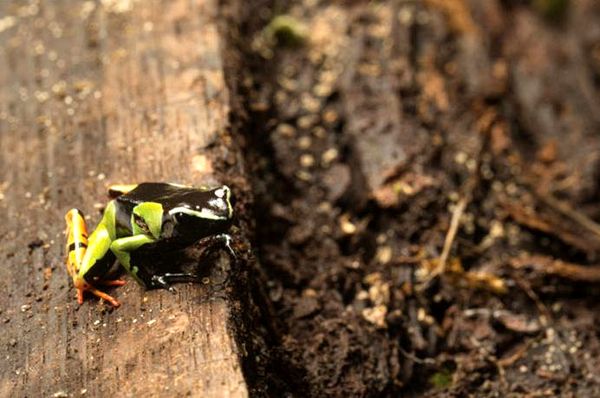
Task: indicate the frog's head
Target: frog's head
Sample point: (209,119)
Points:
(218,205)
(203,212)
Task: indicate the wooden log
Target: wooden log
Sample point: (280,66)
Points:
(93,93)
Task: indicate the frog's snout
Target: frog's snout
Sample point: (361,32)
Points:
(225,193)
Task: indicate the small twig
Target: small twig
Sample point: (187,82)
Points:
(467,193)
(547,265)
(569,212)
(451,235)
(515,356)
(448,241)
(544,212)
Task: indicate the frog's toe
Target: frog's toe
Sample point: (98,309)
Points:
(105,297)
(97,293)
(159,281)
(116,282)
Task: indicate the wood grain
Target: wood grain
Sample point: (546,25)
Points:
(93,93)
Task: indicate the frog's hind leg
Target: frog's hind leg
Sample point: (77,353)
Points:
(77,241)
(116,190)
(123,247)
(97,260)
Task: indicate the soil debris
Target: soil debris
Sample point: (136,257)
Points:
(425,181)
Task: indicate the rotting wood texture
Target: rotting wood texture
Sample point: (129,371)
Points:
(406,138)
(93,93)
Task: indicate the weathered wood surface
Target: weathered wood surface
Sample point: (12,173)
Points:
(93,93)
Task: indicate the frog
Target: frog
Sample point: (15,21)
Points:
(149,214)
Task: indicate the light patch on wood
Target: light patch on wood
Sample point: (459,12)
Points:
(202,164)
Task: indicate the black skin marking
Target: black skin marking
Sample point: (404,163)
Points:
(76,245)
(101,268)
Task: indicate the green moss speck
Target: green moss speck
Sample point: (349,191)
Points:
(441,379)
(554,10)
(286,31)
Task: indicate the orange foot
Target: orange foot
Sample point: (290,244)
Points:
(89,288)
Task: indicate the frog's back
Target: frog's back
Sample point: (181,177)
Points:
(193,210)
(168,195)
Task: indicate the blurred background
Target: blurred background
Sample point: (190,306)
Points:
(426,176)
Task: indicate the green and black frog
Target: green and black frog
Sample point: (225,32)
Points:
(143,215)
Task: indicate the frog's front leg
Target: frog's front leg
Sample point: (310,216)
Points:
(218,241)
(123,247)
(211,243)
